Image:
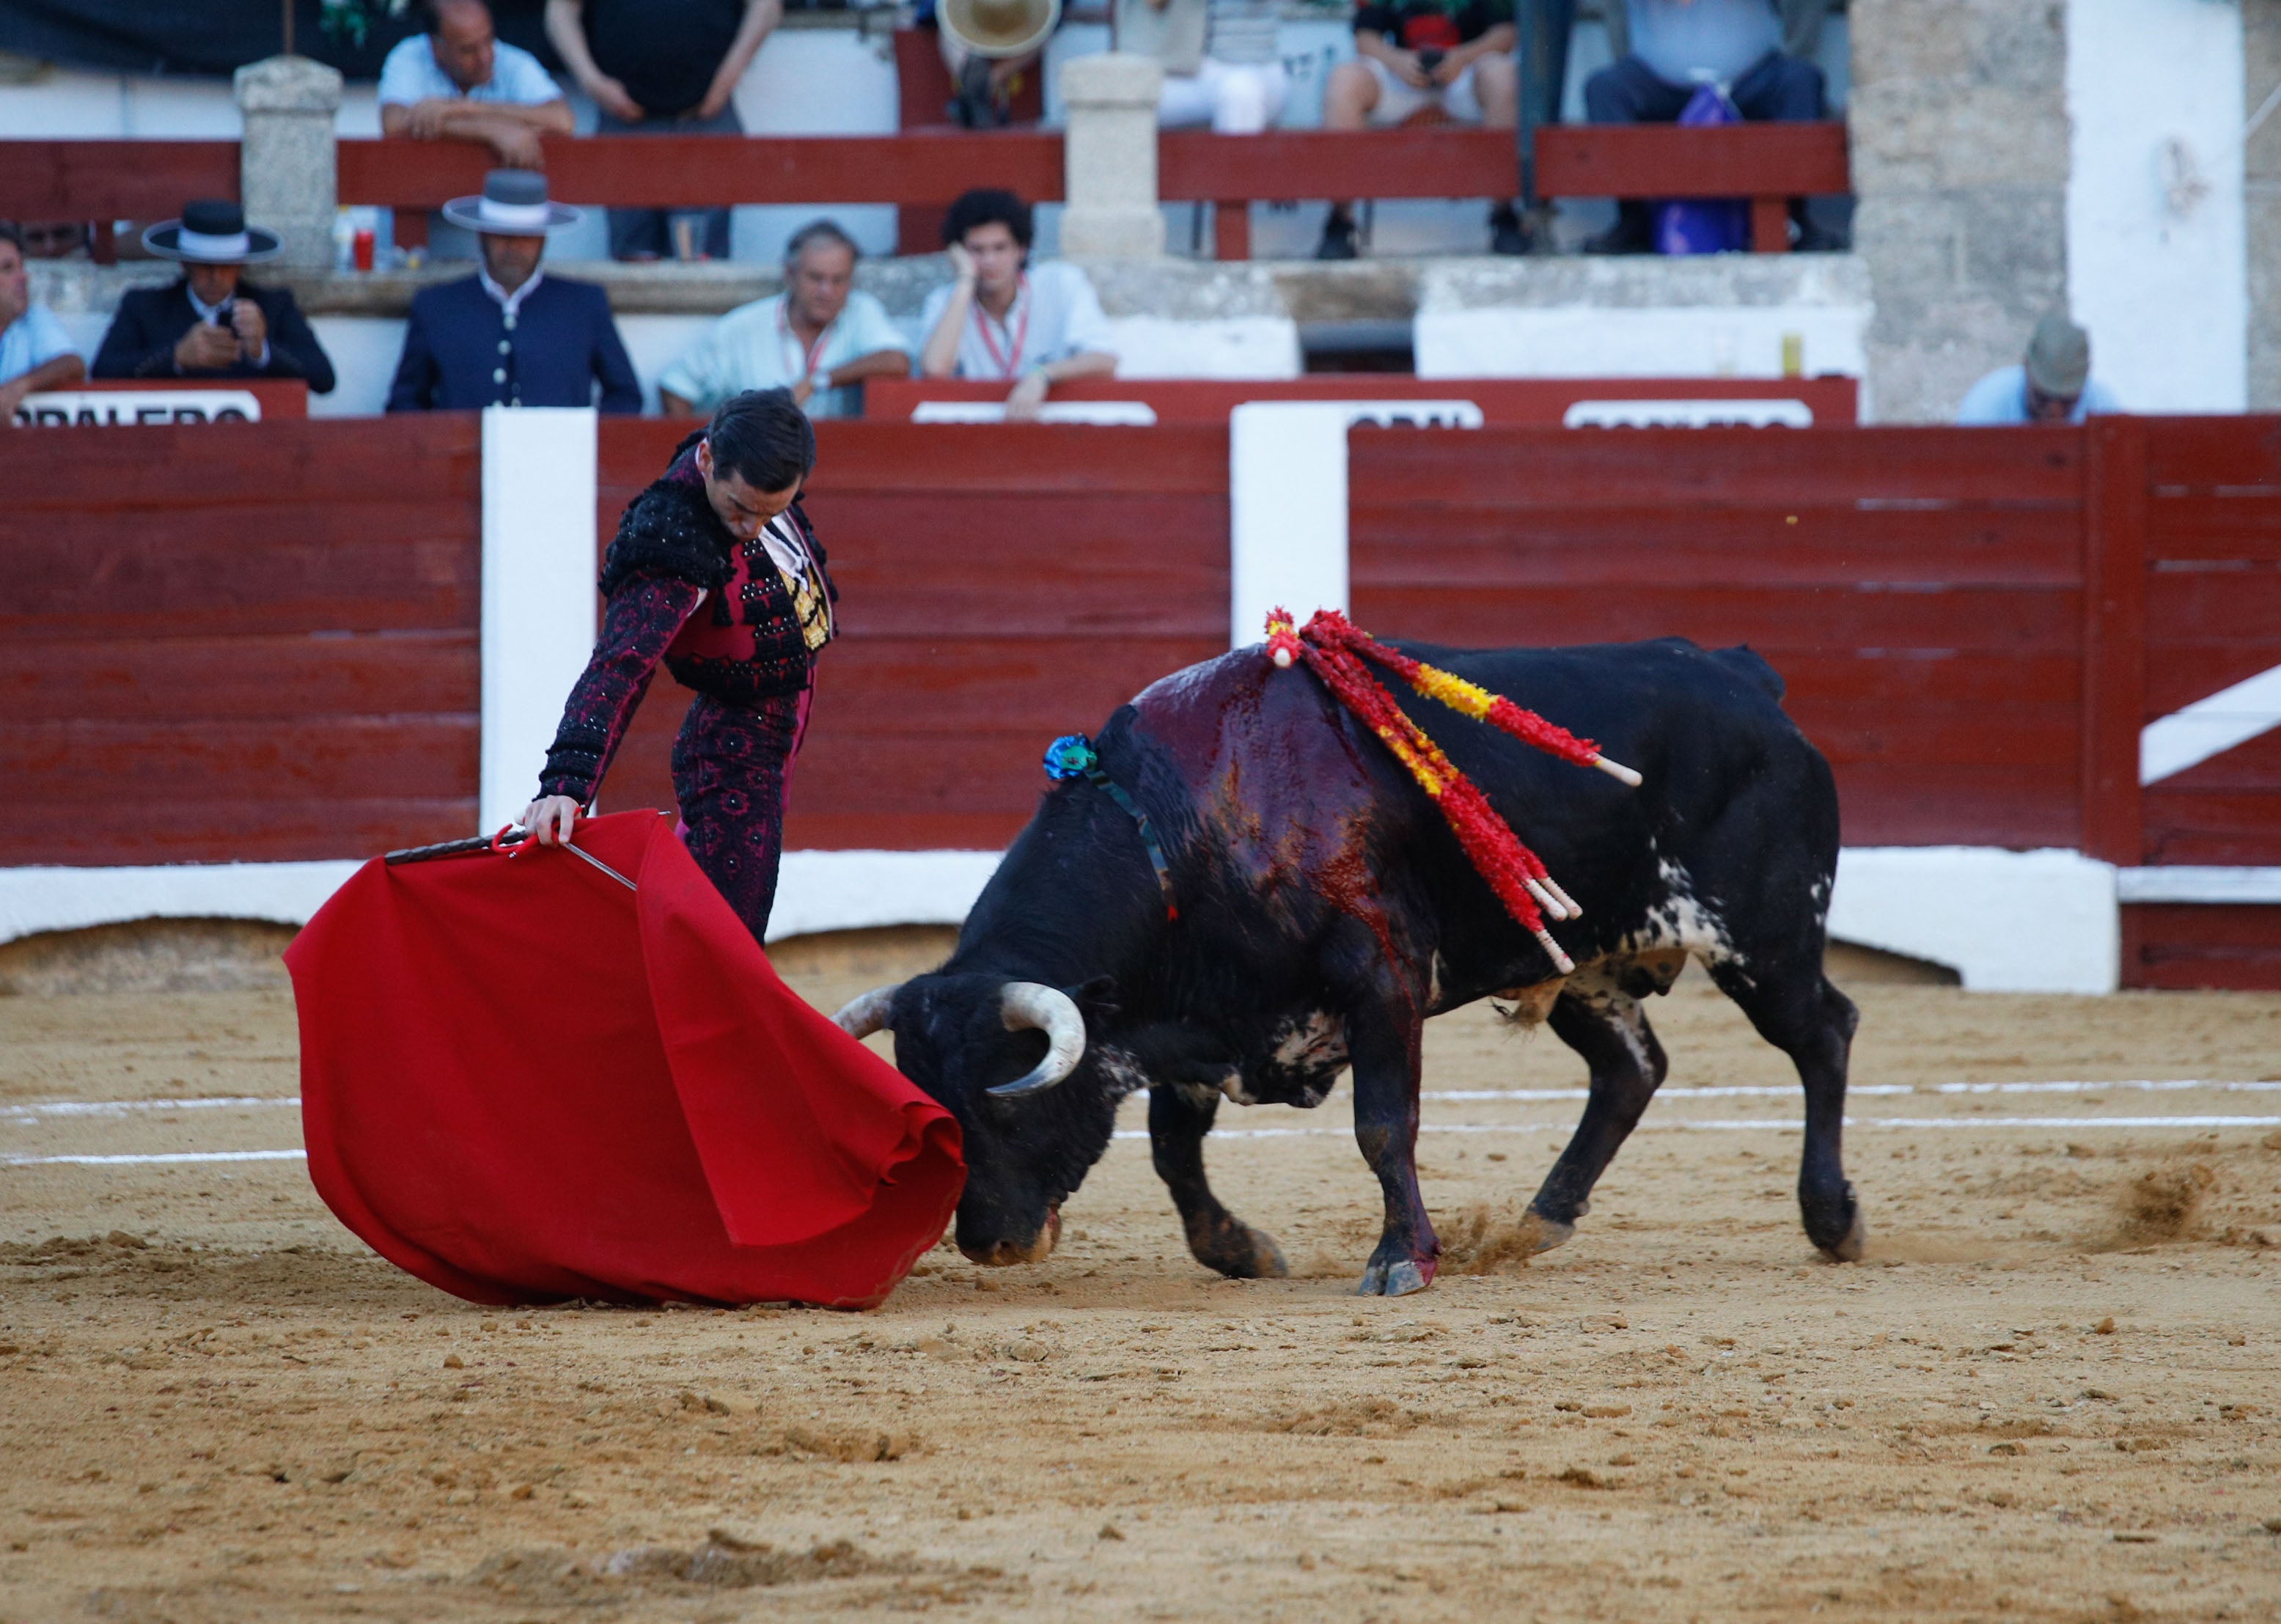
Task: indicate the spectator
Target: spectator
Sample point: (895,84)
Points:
(989,46)
(212,323)
(2055,385)
(1222,64)
(457,83)
(818,338)
(661,69)
(1000,320)
(53,239)
(510,335)
(1410,55)
(35,352)
(1665,50)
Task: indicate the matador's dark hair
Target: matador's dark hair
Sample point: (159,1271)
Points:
(987,206)
(764,438)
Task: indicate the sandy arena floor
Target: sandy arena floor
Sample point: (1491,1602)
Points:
(2051,1393)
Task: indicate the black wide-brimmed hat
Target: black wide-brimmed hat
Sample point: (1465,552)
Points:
(212,232)
(514,204)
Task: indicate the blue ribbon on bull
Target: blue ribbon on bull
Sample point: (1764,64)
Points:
(1073,756)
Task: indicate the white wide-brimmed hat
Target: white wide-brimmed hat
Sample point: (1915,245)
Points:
(212,232)
(514,204)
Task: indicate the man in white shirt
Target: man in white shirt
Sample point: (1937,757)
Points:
(35,352)
(457,83)
(1003,319)
(2055,386)
(819,338)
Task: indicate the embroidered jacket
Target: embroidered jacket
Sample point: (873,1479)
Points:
(757,638)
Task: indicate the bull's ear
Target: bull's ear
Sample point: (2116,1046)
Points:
(1096,999)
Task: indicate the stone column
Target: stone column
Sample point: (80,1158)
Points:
(286,174)
(1110,158)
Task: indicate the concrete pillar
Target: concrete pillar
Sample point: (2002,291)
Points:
(1110,158)
(286,174)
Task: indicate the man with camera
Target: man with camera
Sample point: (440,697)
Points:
(212,323)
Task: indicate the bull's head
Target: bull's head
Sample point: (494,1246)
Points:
(1001,1057)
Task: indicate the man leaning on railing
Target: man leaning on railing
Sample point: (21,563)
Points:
(35,352)
(1004,320)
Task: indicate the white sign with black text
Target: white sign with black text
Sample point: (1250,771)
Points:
(78,408)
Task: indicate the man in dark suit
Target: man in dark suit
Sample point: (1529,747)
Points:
(212,323)
(512,335)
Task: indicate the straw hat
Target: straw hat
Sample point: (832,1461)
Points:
(999,27)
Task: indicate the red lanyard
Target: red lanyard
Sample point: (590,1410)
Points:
(1006,364)
(814,350)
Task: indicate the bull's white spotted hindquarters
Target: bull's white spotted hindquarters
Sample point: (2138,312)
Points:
(1326,910)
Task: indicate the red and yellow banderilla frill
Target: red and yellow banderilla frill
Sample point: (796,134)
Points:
(1334,649)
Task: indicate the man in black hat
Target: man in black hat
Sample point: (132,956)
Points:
(212,323)
(512,335)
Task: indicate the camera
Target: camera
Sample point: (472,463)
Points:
(225,312)
(1429,58)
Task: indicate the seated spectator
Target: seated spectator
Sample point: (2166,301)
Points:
(2055,386)
(457,83)
(1410,55)
(35,352)
(989,46)
(1665,50)
(1002,319)
(1222,64)
(212,323)
(53,239)
(658,69)
(511,335)
(818,338)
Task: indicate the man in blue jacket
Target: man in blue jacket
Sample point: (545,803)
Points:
(511,335)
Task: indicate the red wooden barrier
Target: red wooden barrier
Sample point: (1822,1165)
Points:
(238,641)
(999,587)
(1507,402)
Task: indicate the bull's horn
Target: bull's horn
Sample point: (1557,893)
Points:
(1030,1004)
(869,1014)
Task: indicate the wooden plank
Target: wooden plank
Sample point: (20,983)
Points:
(2186,454)
(2114,637)
(1232,230)
(1438,161)
(1874,677)
(1915,804)
(1729,160)
(258,829)
(2037,736)
(922,166)
(1771,619)
(2178,674)
(2181,946)
(411,455)
(239,677)
(121,180)
(151,762)
(1770,225)
(2253,767)
(2223,827)
(2237,605)
(135,586)
(1445,544)
(1926,470)
(2237,524)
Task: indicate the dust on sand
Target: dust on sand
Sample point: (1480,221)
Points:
(219,1406)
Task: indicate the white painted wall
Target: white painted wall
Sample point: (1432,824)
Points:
(2156,243)
(2008,922)
(1593,341)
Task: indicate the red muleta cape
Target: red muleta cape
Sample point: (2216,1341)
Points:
(523,1082)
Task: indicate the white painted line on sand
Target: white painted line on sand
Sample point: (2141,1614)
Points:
(1776,1125)
(112,1108)
(173,1156)
(1775,1091)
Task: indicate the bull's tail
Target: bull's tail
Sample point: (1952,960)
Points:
(1746,661)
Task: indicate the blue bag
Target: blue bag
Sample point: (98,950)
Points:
(1704,225)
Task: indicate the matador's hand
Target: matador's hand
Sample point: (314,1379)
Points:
(551,819)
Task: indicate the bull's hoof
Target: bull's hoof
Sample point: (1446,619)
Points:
(1836,1227)
(1397,1279)
(1539,1233)
(1237,1250)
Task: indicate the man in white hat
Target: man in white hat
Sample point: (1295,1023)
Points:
(2054,385)
(212,323)
(511,335)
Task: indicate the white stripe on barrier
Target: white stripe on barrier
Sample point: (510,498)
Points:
(2170,744)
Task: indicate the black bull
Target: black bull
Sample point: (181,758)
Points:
(1326,910)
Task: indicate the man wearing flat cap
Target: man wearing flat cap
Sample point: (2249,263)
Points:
(512,335)
(2054,386)
(212,323)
